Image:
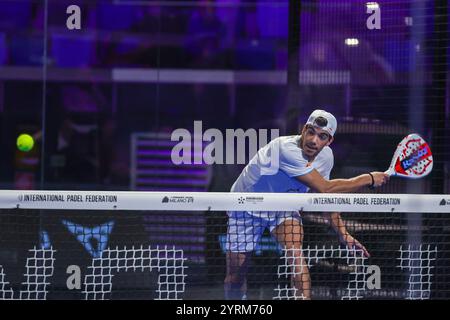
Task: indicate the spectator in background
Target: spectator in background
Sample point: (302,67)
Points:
(148,19)
(15,15)
(77,154)
(205,31)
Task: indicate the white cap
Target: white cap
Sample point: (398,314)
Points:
(330,125)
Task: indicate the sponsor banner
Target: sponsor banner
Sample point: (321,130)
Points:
(33,199)
(252,200)
(177,199)
(67,198)
(222,201)
(357,201)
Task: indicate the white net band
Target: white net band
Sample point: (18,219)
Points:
(223,201)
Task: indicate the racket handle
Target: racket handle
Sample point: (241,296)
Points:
(390,172)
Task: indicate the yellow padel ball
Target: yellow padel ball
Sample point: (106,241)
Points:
(25,142)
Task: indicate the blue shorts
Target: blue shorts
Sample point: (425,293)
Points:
(246,228)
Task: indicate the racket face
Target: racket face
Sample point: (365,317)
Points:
(413,158)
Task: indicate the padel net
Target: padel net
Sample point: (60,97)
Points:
(173,245)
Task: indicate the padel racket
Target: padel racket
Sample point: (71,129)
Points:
(412,159)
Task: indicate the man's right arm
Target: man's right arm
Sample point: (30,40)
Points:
(316,182)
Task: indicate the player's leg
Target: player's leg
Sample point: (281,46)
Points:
(244,232)
(289,233)
(235,283)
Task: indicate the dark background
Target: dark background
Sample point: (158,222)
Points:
(102,102)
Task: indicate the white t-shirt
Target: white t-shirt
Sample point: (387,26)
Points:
(265,174)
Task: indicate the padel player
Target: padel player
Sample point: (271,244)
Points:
(305,162)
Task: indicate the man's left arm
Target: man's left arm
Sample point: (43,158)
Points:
(338,225)
(336,221)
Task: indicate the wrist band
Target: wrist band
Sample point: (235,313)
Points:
(373,181)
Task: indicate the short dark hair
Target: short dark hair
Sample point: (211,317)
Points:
(320,122)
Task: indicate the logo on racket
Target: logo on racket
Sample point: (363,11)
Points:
(420,154)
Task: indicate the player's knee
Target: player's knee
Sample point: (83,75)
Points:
(234,278)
